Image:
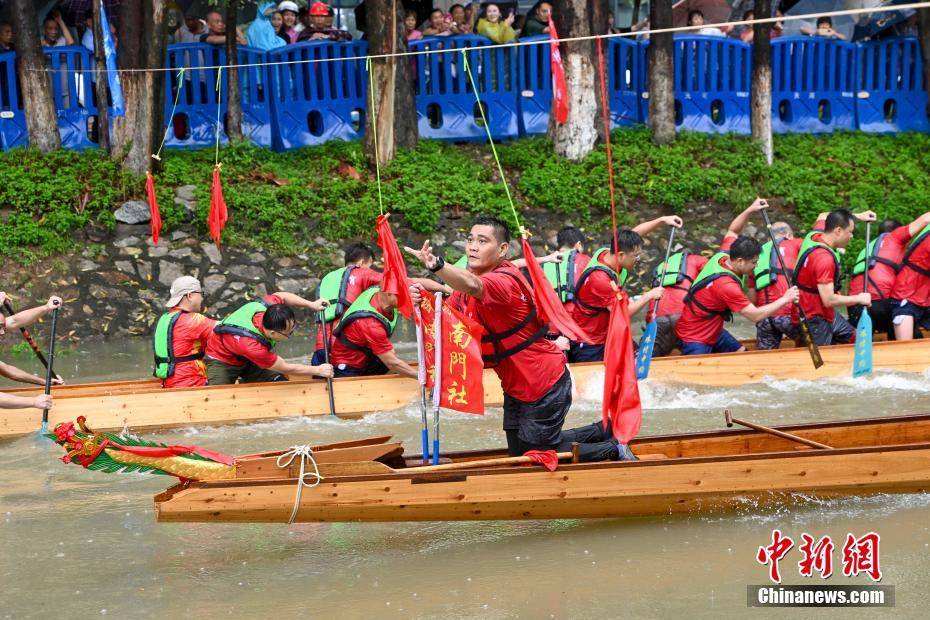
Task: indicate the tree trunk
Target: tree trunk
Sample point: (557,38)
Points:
(141,44)
(761,92)
(394,110)
(35,82)
(233,94)
(585,125)
(661,74)
(100,85)
(923,25)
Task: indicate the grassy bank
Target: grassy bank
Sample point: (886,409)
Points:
(283,201)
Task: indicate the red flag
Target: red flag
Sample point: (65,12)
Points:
(559,87)
(548,305)
(218,212)
(154,213)
(622,405)
(462,370)
(547,458)
(394,279)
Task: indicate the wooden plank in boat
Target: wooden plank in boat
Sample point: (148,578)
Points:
(267,466)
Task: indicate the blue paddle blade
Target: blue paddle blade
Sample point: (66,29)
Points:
(424,436)
(862,362)
(646,344)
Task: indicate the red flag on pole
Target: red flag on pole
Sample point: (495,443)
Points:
(218,212)
(622,405)
(559,87)
(394,279)
(154,213)
(462,370)
(548,305)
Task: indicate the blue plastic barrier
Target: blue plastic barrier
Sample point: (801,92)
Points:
(712,78)
(314,102)
(12,120)
(446,106)
(626,81)
(73,91)
(194,123)
(892,96)
(534,73)
(813,85)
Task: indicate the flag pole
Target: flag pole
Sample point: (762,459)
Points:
(437,376)
(862,359)
(49,373)
(421,379)
(647,342)
(329,380)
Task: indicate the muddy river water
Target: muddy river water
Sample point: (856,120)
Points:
(85,544)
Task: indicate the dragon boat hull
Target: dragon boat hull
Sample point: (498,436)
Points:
(144,404)
(689,473)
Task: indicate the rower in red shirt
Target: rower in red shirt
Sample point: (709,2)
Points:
(911,292)
(242,346)
(22,319)
(717,293)
(594,290)
(536,383)
(180,337)
(818,275)
(683,268)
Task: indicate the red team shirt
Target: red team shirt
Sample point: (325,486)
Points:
(722,294)
(367,332)
(881,276)
(818,268)
(532,372)
(673,301)
(361,279)
(192,332)
(598,292)
(912,286)
(232,350)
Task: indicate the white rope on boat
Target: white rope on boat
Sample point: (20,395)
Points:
(305,453)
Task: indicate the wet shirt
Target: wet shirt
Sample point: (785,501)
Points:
(364,332)
(530,373)
(239,350)
(818,268)
(911,285)
(881,276)
(596,291)
(191,333)
(360,280)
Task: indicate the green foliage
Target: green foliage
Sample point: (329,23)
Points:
(283,201)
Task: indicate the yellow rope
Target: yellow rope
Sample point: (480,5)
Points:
(219,107)
(177,97)
(374,129)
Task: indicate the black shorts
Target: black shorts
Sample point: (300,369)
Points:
(825,333)
(539,424)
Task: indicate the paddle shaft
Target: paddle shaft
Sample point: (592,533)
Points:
(776,432)
(507,460)
(26,335)
(421,378)
(805,326)
(437,375)
(668,252)
(329,380)
(868,255)
(48,370)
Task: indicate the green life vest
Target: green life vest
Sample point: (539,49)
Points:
(362,308)
(809,246)
(915,242)
(163,345)
(712,271)
(768,268)
(333,288)
(561,276)
(461,263)
(596,264)
(875,248)
(675,273)
(239,323)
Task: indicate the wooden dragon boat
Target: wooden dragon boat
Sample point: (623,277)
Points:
(371,480)
(145,405)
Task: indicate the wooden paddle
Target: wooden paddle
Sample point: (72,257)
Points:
(647,341)
(805,326)
(421,379)
(329,380)
(48,370)
(8,307)
(862,359)
(771,431)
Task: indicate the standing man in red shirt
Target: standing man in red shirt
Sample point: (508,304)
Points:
(818,276)
(180,337)
(911,292)
(242,346)
(536,383)
(717,293)
(594,290)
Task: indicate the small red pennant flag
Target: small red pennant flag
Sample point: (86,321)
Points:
(218,213)
(622,404)
(547,458)
(549,306)
(154,213)
(559,86)
(394,280)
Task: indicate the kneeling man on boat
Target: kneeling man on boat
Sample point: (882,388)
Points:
(536,383)
(15,321)
(180,337)
(242,346)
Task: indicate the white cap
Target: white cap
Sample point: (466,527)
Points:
(287,5)
(181,287)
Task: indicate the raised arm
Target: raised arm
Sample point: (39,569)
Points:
(739,222)
(644,228)
(296,301)
(918,225)
(456,278)
(30,316)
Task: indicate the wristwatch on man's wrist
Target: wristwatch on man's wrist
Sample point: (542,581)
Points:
(440,263)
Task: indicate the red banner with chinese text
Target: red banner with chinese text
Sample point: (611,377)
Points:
(461,368)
